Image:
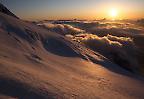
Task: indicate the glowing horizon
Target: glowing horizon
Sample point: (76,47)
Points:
(77,9)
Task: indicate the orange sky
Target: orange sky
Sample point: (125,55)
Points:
(80,9)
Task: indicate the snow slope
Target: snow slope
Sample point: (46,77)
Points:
(38,64)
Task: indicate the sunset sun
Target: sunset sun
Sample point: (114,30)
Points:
(113,13)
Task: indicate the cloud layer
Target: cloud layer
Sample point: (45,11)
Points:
(62,28)
(120,50)
(119,42)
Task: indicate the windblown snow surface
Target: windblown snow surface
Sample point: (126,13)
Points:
(70,60)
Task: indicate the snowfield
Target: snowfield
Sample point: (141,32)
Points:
(37,62)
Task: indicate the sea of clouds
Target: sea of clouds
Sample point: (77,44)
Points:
(119,42)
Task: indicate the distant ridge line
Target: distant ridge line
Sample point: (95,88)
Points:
(5,10)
